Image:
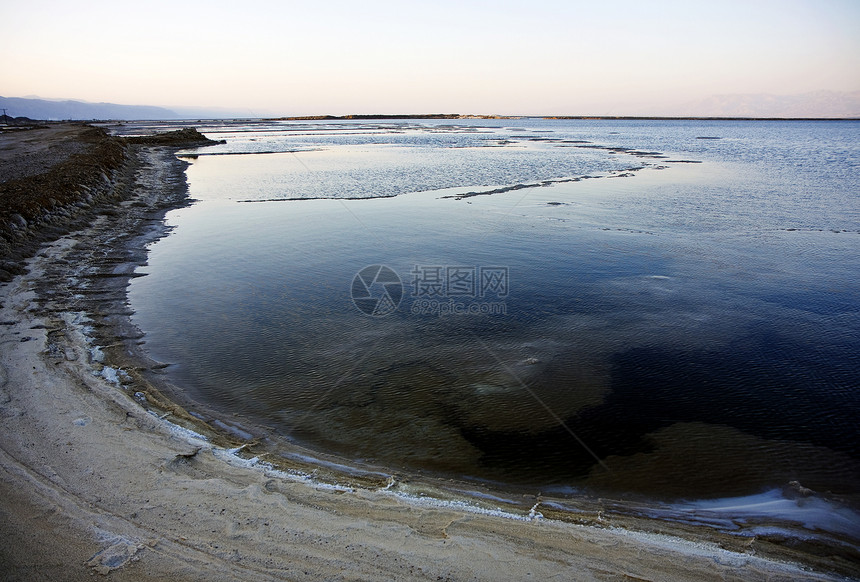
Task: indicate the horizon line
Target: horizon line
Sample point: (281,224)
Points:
(362,116)
(452,116)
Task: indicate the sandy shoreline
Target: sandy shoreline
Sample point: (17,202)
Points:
(100,472)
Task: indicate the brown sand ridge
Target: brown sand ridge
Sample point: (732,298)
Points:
(101,474)
(52,177)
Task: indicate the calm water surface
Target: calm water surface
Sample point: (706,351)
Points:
(637,307)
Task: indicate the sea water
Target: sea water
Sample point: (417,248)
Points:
(667,309)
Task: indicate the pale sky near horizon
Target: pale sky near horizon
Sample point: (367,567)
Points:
(510,57)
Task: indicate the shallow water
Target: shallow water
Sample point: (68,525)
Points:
(635,309)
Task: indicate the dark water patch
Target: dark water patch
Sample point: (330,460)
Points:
(763,385)
(837,301)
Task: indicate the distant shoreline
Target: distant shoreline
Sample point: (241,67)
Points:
(560,117)
(10,123)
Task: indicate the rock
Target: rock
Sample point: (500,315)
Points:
(18,221)
(115,556)
(795,490)
(11,267)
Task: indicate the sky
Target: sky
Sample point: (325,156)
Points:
(614,57)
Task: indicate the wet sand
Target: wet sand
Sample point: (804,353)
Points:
(101,471)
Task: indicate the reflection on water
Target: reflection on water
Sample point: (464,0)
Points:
(694,328)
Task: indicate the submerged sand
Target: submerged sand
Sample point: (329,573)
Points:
(101,473)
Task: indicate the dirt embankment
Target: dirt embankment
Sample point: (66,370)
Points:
(183,138)
(55,179)
(52,178)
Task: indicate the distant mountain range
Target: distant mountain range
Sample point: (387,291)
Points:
(68,109)
(59,110)
(816,104)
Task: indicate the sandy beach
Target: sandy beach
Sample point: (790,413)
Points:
(104,470)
